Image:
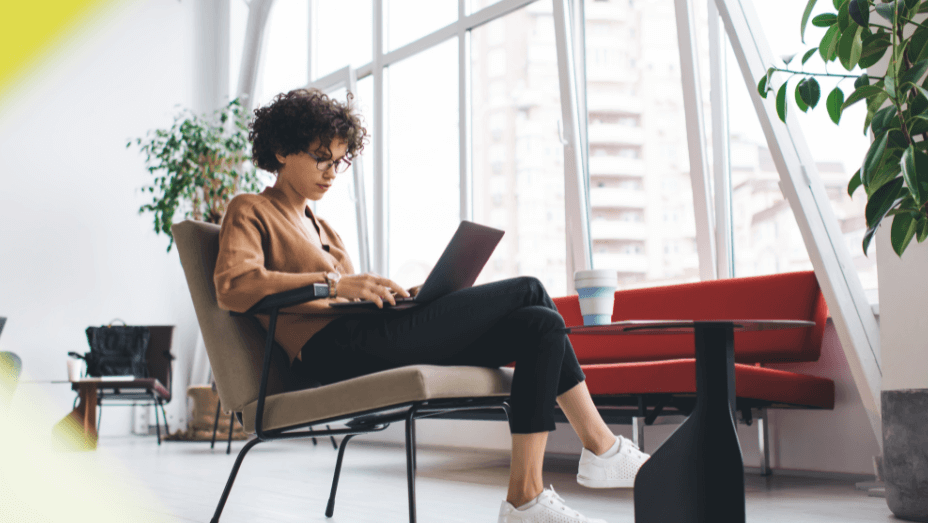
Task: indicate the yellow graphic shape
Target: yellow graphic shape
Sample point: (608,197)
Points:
(32,31)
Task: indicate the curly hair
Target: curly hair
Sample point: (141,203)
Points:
(293,121)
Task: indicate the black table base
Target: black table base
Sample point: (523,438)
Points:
(697,475)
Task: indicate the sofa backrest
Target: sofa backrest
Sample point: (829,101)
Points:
(788,296)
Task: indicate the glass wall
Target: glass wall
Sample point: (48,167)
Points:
(642,217)
(423,178)
(641,199)
(518,161)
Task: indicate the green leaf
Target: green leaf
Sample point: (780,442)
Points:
(874,158)
(922,228)
(861,81)
(881,120)
(859,11)
(902,231)
(914,74)
(802,105)
(882,201)
(810,91)
(809,53)
(850,46)
(781,102)
(805,19)
(915,173)
(889,84)
(833,103)
(886,11)
(825,20)
(860,93)
(854,183)
(828,48)
(787,58)
(844,18)
(762,87)
(917,51)
(873,49)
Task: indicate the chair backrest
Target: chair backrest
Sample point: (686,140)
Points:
(234,345)
(159,353)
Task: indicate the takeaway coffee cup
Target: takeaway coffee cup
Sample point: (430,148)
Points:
(596,289)
(75,368)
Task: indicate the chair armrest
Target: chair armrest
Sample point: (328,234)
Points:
(289,298)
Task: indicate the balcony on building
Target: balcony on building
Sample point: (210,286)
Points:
(618,230)
(621,262)
(616,197)
(616,166)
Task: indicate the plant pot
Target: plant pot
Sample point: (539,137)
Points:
(904,363)
(905,452)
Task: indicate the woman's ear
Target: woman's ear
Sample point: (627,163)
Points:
(280,158)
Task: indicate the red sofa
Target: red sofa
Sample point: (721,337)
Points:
(645,377)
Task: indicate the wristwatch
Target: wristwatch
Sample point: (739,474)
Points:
(332,279)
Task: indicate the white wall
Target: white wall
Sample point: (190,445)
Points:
(75,251)
(838,440)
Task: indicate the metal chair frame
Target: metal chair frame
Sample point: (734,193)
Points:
(357,423)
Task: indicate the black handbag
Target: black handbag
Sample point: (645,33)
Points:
(117,350)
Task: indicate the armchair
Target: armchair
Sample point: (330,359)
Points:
(251,373)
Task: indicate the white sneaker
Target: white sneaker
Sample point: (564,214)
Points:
(616,471)
(548,507)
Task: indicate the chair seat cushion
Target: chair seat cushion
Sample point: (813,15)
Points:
(378,391)
(781,388)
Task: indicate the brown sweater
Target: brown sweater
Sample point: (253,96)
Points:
(265,248)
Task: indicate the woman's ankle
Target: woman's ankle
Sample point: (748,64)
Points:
(521,497)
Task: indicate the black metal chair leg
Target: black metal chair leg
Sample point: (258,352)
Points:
(330,507)
(99,413)
(164,416)
(225,492)
(415,462)
(231,428)
(410,463)
(157,425)
(334,445)
(212,444)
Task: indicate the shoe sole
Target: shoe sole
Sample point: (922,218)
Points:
(605,483)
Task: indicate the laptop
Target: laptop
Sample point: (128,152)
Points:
(456,269)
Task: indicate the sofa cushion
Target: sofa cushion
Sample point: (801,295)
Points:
(376,391)
(781,388)
(788,296)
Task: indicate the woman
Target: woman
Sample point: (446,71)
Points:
(272,242)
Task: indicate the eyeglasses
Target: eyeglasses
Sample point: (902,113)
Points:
(341,165)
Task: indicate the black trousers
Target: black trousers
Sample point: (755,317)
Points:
(488,325)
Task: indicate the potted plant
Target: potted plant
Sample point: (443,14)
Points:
(199,164)
(888,41)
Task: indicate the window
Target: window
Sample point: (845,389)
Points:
(422,161)
(528,159)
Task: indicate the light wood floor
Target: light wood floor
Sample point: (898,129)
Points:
(289,481)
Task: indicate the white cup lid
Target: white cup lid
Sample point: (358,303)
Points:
(596,274)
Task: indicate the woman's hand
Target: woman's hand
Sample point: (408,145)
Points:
(414,290)
(371,287)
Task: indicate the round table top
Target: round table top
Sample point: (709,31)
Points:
(684,326)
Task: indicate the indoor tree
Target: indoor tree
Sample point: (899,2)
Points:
(894,173)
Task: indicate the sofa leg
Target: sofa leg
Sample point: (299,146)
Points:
(638,432)
(763,441)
